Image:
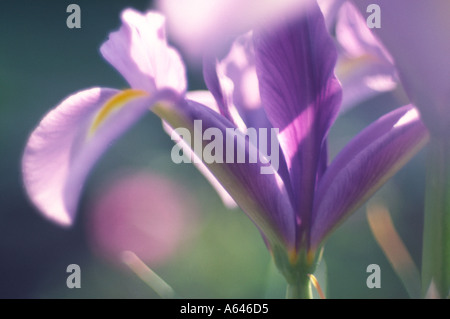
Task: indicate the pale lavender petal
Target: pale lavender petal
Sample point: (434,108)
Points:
(139,51)
(416,34)
(262,197)
(205,25)
(220,89)
(364,68)
(355,37)
(329,9)
(69,140)
(301,96)
(239,67)
(203,97)
(363,166)
(234,84)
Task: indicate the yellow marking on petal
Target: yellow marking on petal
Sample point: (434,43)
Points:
(293,256)
(346,66)
(116,102)
(310,256)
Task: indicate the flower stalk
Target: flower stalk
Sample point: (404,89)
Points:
(297,270)
(301,289)
(436,236)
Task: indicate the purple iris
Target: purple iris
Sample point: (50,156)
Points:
(278,77)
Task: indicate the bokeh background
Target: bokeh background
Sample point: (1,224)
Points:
(215,252)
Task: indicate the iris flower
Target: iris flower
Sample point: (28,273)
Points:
(289,71)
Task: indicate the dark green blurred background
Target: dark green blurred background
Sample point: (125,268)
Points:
(41,62)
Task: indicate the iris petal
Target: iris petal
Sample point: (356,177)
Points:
(63,148)
(300,94)
(139,51)
(366,163)
(365,68)
(263,197)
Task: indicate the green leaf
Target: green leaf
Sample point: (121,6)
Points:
(436,236)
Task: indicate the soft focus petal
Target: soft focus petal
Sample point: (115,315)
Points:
(368,161)
(329,9)
(300,94)
(364,67)
(239,68)
(69,140)
(205,25)
(355,37)
(139,51)
(261,196)
(203,97)
(237,78)
(416,34)
(362,78)
(220,89)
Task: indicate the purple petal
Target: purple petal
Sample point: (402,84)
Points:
(139,51)
(416,35)
(206,98)
(234,84)
(261,196)
(222,89)
(355,37)
(239,67)
(218,88)
(69,140)
(301,96)
(364,68)
(368,161)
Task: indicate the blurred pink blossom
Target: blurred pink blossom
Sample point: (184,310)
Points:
(145,213)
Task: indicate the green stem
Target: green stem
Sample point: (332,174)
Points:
(436,236)
(301,289)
